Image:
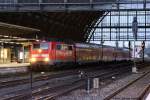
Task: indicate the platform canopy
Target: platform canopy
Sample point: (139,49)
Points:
(63,25)
(63,19)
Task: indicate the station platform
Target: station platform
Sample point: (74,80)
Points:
(13,68)
(12,65)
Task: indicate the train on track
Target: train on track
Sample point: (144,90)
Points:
(61,53)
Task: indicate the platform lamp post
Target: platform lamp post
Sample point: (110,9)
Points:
(102,43)
(23,52)
(1,47)
(31,75)
(129,45)
(3,52)
(134,30)
(117,37)
(31,79)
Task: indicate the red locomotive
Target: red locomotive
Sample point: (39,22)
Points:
(60,53)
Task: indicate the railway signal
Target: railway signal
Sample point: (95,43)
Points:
(143,44)
(143,47)
(135,27)
(134,30)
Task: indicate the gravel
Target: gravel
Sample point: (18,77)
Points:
(104,90)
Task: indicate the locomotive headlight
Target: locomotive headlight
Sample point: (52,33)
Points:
(33,59)
(46,59)
(39,50)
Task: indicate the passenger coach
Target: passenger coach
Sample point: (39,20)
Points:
(61,53)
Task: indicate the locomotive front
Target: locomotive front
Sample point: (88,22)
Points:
(40,53)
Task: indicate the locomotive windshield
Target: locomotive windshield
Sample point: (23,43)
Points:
(41,46)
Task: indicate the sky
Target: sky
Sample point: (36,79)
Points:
(141,21)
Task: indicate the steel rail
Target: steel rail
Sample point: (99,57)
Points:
(129,84)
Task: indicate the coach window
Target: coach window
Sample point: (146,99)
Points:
(69,47)
(44,46)
(58,47)
(64,47)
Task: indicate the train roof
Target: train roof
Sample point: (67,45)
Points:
(87,45)
(92,45)
(53,40)
(123,49)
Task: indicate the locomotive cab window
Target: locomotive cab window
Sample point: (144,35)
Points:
(43,46)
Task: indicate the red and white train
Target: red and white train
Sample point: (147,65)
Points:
(59,53)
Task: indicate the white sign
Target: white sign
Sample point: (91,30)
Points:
(96,83)
(21,55)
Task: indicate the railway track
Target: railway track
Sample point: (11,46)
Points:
(14,82)
(54,91)
(136,89)
(4,84)
(27,91)
(58,89)
(81,84)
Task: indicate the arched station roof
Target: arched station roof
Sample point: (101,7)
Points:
(63,25)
